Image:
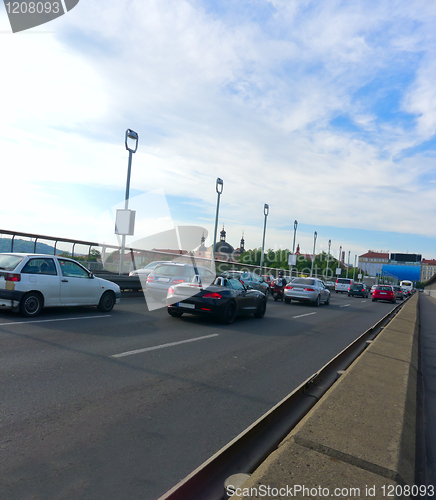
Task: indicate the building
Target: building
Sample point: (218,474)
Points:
(428,269)
(372,262)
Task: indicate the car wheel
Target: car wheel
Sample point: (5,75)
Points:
(229,313)
(374,300)
(175,314)
(107,302)
(31,304)
(266,292)
(317,301)
(349,295)
(261,309)
(327,302)
(287,301)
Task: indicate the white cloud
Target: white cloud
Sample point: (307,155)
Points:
(244,100)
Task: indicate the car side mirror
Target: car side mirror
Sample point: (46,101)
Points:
(91,275)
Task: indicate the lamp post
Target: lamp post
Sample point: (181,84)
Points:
(293,245)
(219,189)
(266,212)
(355,263)
(328,258)
(315,234)
(340,254)
(131,148)
(348,263)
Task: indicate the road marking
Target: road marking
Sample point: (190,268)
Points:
(162,346)
(301,315)
(52,320)
(346,305)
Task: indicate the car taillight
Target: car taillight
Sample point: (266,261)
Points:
(149,278)
(309,289)
(349,288)
(176,282)
(212,295)
(170,290)
(288,287)
(13,277)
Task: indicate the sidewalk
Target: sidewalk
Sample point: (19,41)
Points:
(359,440)
(428,368)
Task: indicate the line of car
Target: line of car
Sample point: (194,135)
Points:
(30,282)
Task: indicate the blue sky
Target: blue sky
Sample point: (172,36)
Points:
(324,110)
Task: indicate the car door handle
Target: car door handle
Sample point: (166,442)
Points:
(64,281)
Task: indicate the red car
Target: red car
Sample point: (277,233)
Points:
(384,292)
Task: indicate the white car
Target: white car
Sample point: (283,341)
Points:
(29,282)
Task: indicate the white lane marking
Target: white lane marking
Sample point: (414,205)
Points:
(52,320)
(363,301)
(301,315)
(146,349)
(346,305)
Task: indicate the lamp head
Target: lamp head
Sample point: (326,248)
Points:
(133,136)
(219,185)
(265,209)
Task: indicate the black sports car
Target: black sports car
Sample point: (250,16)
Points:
(225,299)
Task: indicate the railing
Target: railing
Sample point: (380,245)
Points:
(136,257)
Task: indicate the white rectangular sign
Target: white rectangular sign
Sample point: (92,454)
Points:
(125,222)
(338,271)
(292,260)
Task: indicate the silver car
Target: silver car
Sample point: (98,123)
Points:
(307,290)
(252,280)
(143,272)
(173,273)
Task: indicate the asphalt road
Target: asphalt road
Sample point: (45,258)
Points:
(124,405)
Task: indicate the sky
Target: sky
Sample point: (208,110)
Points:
(325,111)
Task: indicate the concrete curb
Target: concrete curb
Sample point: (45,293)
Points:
(359,440)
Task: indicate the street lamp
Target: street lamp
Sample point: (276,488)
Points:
(265,211)
(293,245)
(131,142)
(340,269)
(328,258)
(219,189)
(355,263)
(315,234)
(348,264)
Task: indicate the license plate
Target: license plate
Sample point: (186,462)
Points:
(383,293)
(186,306)
(164,280)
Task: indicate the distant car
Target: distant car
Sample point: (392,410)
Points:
(358,290)
(225,299)
(384,292)
(372,289)
(145,271)
(172,273)
(33,281)
(330,285)
(307,290)
(343,284)
(267,279)
(252,280)
(399,292)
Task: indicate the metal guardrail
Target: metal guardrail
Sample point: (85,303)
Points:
(248,450)
(147,255)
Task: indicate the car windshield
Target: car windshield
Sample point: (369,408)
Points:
(171,270)
(385,288)
(303,281)
(344,280)
(10,262)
